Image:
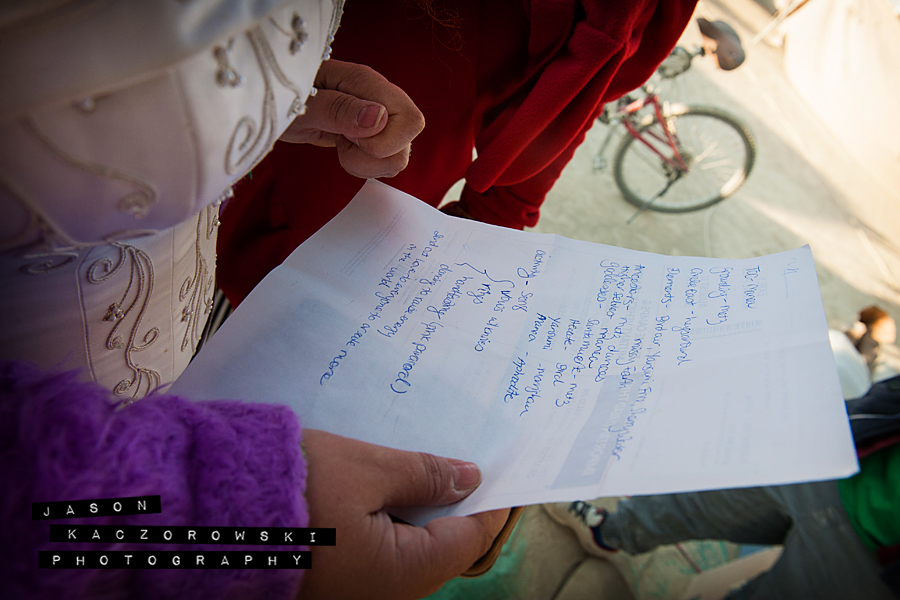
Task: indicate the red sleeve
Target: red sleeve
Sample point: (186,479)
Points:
(517,205)
(521,81)
(580,56)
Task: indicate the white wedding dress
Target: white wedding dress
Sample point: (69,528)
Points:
(123,125)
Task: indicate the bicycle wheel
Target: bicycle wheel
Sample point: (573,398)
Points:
(717,149)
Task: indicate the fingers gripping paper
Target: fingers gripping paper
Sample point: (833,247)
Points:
(564,369)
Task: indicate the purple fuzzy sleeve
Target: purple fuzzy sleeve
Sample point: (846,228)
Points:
(212,463)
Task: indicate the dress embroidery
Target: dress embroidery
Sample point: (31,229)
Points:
(336,15)
(226,74)
(40,248)
(134,333)
(198,290)
(297,34)
(138,203)
(250,141)
(126,315)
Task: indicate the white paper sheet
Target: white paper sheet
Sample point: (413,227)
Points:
(564,369)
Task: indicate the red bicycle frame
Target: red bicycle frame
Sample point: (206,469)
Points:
(669,139)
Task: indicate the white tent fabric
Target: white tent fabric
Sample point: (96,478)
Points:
(844,58)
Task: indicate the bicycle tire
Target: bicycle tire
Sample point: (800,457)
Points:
(705,135)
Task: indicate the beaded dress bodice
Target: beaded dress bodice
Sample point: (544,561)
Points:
(109,195)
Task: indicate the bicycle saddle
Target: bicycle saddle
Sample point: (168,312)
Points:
(728,50)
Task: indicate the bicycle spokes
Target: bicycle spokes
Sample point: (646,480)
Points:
(689,159)
(676,158)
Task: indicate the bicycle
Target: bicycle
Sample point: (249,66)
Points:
(676,158)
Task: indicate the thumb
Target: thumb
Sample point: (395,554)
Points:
(421,479)
(343,114)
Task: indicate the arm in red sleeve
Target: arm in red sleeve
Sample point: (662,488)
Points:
(580,56)
(517,205)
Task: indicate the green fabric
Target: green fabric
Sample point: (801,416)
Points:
(872,498)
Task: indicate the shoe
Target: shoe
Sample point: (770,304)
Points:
(581,518)
(879,324)
(873,329)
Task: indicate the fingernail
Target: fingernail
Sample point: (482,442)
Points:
(466,475)
(370,116)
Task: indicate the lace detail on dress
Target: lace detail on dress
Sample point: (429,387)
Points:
(36,244)
(128,328)
(250,141)
(45,256)
(84,287)
(333,27)
(198,290)
(137,203)
(126,315)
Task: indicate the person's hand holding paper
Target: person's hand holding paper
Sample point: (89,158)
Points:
(384,478)
(564,369)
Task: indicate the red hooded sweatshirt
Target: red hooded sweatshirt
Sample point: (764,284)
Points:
(518,81)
